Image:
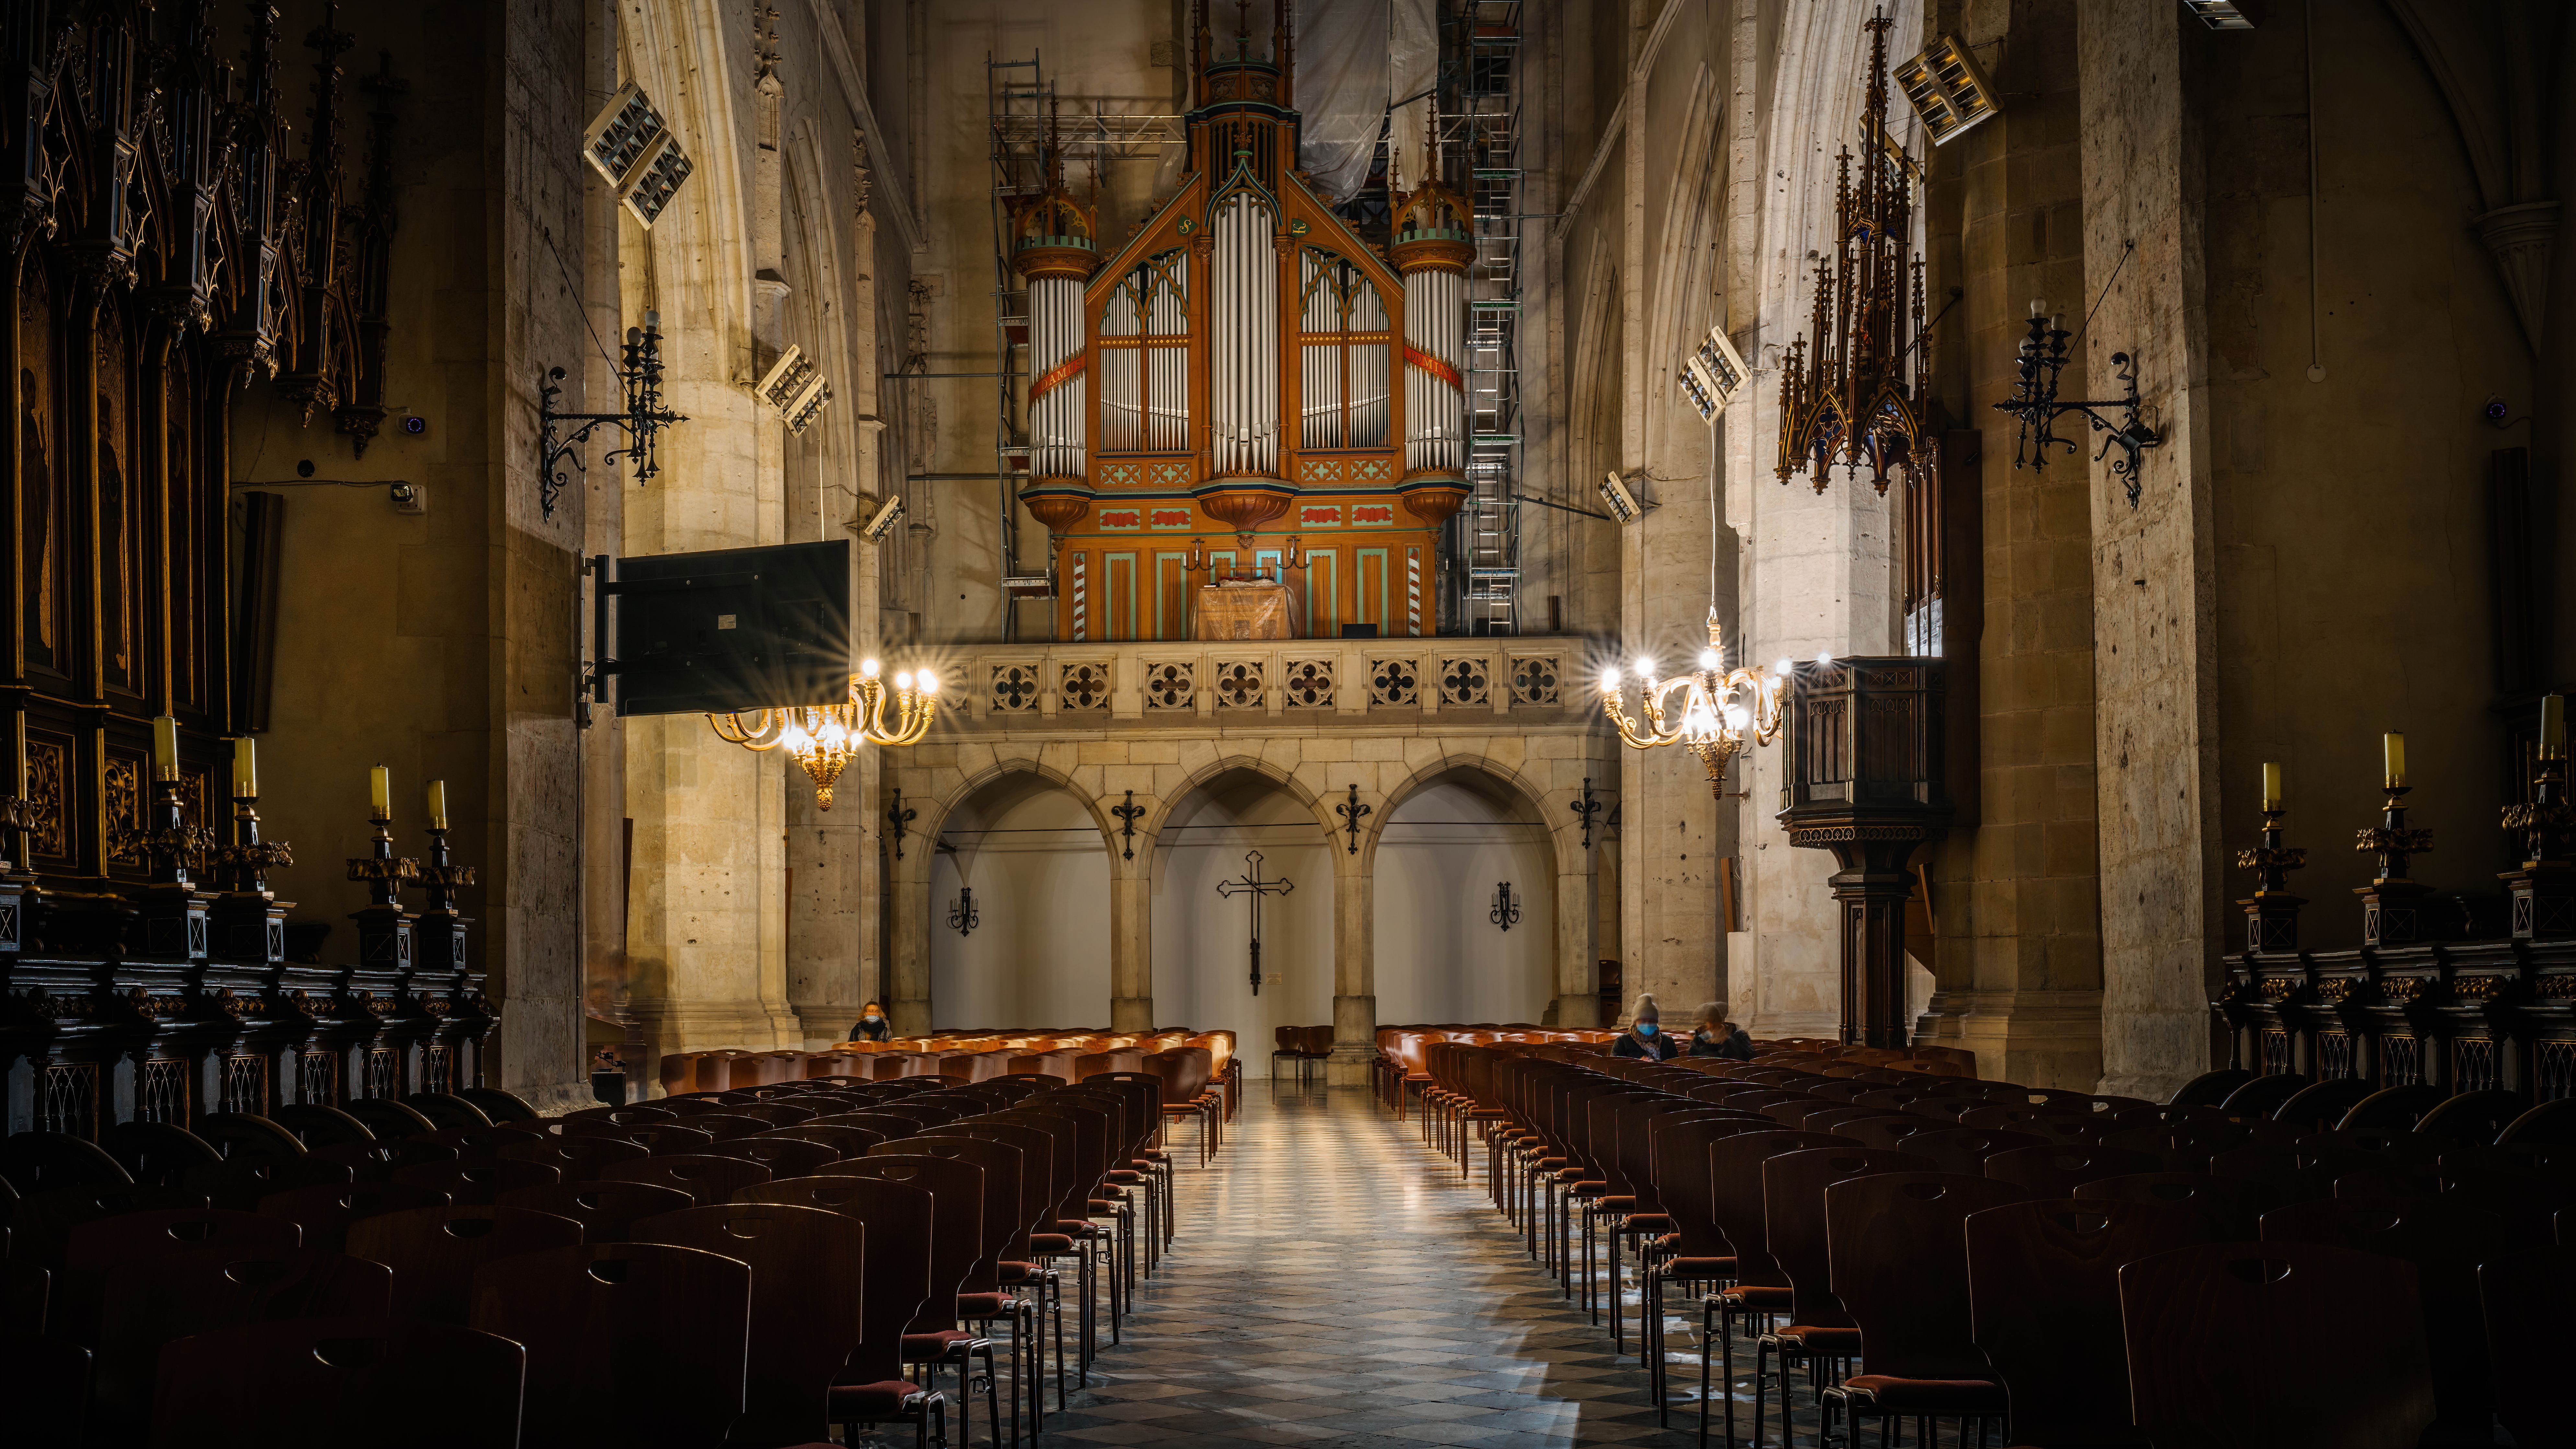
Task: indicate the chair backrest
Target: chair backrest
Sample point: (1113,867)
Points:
(476,1184)
(148,1300)
(1680,1154)
(1794,1223)
(434,1251)
(341,1381)
(375,1159)
(326,1211)
(807,1288)
(1735,1195)
(2056,1169)
(2532,1338)
(1010,1208)
(576,1159)
(2229,1205)
(1900,1266)
(1964,1150)
(705,1178)
(895,1256)
(956,1189)
(1046,1161)
(2276,1343)
(46,1384)
(668,1139)
(2445,1242)
(2044,1306)
(628,1343)
(240,1182)
(783,1156)
(607,1211)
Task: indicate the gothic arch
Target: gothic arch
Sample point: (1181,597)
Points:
(946,805)
(1207,774)
(1525,800)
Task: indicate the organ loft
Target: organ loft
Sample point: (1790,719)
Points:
(1247,367)
(807,723)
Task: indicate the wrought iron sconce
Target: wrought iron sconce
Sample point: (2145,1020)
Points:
(644,418)
(1586,808)
(1128,814)
(1507,906)
(963,918)
(897,817)
(1352,813)
(2036,403)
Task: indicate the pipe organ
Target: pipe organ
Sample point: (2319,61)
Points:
(1261,372)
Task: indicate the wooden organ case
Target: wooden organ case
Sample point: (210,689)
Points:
(1248,366)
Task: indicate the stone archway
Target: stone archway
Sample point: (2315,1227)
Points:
(1031,946)
(1200,962)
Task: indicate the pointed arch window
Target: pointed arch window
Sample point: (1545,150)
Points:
(1145,359)
(1343,342)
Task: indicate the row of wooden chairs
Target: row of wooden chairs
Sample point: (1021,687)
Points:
(738,1267)
(1075,1055)
(2093,1269)
(1399,1069)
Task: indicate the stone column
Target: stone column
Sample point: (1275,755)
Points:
(1354,962)
(1131,939)
(1578,997)
(2164,913)
(908,986)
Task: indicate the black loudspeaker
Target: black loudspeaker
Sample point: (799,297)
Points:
(724,630)
(1359,631)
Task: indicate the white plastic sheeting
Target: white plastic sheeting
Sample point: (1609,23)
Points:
(1413,64)
(1342,88)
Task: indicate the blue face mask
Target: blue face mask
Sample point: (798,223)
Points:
(1645,1028)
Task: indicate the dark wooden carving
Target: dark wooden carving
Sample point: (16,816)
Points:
(1866,778)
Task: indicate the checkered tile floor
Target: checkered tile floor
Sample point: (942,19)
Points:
(1334,1283)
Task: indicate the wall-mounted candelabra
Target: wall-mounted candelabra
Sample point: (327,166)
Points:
(643,419)
(2038,407)
(963,918)
(1507,906)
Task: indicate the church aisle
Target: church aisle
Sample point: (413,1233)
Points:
(1332,1285)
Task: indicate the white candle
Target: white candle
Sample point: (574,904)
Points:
(438,804)
(245,767)
(2271,785)
(165,748)
(2392,750)
(380,793)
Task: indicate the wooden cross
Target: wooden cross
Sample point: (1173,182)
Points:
(1254,886)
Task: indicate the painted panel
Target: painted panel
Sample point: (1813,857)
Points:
(1369,598)
(1120,576)
(1323,594)
(1171,596)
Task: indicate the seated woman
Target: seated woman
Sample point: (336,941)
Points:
(1718,1037)
(873,1025)
(1645,1035)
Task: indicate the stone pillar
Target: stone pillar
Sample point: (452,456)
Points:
(1131,939)
(1354,963)
(908,975)
(1577,927)
(2164,913)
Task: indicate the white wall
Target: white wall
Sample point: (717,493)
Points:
(1202,971)
(1440,957)
(1041,880)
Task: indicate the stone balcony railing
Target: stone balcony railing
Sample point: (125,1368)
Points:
(1351,683)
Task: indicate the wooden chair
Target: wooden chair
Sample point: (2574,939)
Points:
(159,1154)
(476,1184)
(375,1159)
(146,1301)
(2044,1308)
(783,1156)
(388,1383)
(638,1344)
(326,1211)
(574,1159)
(34,1162)
(896,1254)
(387,1118)
(1899,1264)
(1820,1331)
(2233,1208)
(2255,1346)
(2531,1339)
(434,1251)
(706,1179)
(807,1297)
(319,1126)
(607,1211)
(46,1384)
(2445,1242)
(2055,1170)
(1964,1150)
(956,1189)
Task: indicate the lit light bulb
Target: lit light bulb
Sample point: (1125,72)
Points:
(1645,668)
(927,681)
(793,736)
(1699,724)
(1825,656)
(903,680)
(1610,680)
(832,735)
(1783,667)
(867,668)
(1736,716)
(1708,659)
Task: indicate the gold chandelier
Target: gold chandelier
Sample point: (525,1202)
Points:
(1720,712)
(1850,399)
(824,738)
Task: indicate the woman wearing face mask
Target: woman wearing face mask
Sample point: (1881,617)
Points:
(873,1025)
(1718,1037)
(1645,1035)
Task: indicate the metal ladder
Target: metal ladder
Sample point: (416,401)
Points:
(1482,122)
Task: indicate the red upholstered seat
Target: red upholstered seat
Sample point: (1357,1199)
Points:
(981,1305)
(878,1400)
(923,1347)
(1821,1339)
(1710,1267)
(1928,1396)
(1755,1295)
(1050,1242)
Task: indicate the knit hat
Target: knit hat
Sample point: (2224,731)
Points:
(1646,1009)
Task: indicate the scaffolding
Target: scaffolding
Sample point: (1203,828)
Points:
(1017,96)
(1480,141)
